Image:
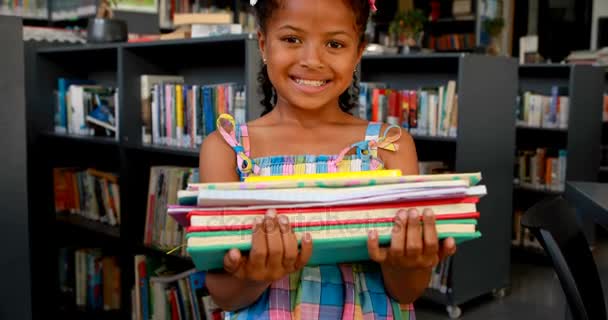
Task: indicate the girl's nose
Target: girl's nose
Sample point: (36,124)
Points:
(311,57)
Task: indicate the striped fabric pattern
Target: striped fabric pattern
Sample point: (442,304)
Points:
(345,291)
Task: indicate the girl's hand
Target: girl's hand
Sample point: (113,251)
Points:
(411,247)
(274,251)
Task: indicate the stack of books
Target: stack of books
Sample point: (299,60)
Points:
(338,210)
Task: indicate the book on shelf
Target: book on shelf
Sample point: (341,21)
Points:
(543,111)
(85,108)
(522,237)
(541,169)
(162,292)
(27,9)
(427,111)
(452,42)
(90,193)
(164,183)
(337,212)
(89,279)
(182,115)
(440,277)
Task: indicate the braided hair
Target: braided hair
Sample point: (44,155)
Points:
(264,9)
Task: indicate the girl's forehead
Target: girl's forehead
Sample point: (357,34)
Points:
(319,14)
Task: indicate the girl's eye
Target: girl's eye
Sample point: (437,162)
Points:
(335,45)
(291,40)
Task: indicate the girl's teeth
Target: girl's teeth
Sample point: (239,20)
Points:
(311,83)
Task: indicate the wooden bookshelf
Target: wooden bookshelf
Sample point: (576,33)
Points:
(88,224)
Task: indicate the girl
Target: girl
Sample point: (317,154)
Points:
(310,50)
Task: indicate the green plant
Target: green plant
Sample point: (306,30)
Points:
(494,26)
(105,9)
(407,23)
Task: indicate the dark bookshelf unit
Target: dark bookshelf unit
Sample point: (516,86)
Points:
(603,174)
(583,85)
(484,142)
(200,61)
(480,267)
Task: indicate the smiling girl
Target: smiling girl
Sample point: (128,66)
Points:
(310,50)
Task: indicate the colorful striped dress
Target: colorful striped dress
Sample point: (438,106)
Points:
(345,291)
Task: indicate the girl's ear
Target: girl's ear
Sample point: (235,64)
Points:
(262,43)
(360,51)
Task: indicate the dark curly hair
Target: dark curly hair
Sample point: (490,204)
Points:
(264,9)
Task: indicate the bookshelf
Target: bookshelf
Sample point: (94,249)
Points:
(583,85)
(603,175)
(480,267)
(13,193)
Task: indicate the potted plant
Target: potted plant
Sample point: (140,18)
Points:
(407,27)
(494,28)
(104,27)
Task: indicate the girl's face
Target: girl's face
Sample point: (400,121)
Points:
(311,49)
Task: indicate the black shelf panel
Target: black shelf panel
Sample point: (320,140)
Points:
(445,55)
(79,48)
(80,139)
(435,138)
(193,41)
(527,127)
(84,313)
(436,296)
(534,190)
(88,224)
(174,151)
(604,169)
(162,253)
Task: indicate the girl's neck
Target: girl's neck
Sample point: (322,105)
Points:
(288,114)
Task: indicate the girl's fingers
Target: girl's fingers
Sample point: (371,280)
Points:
(305,251)
(431,243)
(373,248)
(233,262)
(448,248)
(397,249)
(258,253)
(274,241)
(414,235)
(290,244)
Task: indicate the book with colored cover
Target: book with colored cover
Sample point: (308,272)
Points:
(224,220)
(338,211)
(331,244)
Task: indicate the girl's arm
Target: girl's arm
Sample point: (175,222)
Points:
(407,265)
(217,164)
(274,248)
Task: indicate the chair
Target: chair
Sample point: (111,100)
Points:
(554,223)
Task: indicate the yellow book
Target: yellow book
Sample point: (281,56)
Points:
(330,175)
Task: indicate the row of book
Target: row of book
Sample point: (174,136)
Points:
(522,237)
(26,9)
(182,115)
(90,193)
(426,111)
(541,169)
(452,42)
(89,279)
(542,111)
(219,216)
(440,276)
(39,9)
(83,107)
(161,231)
(171,11)
(160,292)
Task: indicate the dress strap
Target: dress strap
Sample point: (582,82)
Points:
(373,141)
(227,128)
